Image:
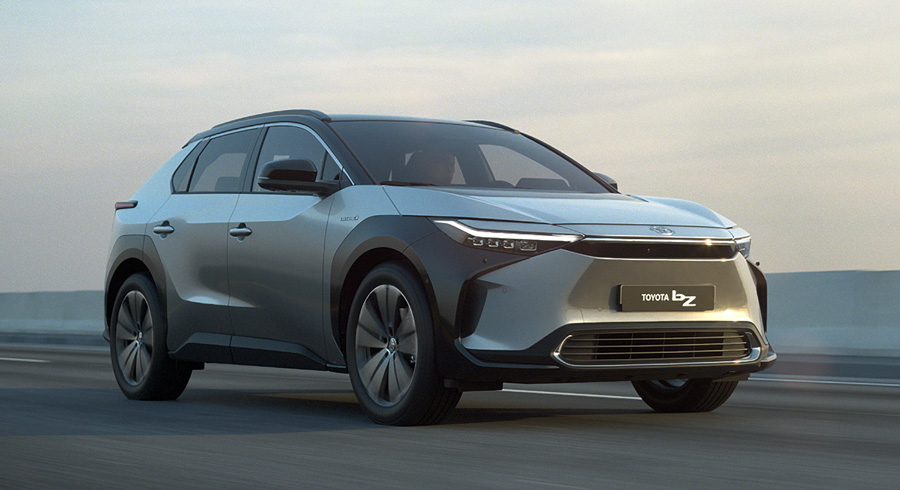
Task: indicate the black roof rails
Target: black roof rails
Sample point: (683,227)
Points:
(494,124)
(295,112)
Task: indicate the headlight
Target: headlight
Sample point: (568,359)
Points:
(742,238)
(517,242)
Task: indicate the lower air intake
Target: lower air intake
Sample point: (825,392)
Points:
(655,347)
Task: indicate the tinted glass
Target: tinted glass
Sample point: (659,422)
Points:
(183,173)
(331,171)
(425,153)
(223,164)
(284,142)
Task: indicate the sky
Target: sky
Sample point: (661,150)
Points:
(784,116)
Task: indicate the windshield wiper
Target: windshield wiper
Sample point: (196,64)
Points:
(402,183)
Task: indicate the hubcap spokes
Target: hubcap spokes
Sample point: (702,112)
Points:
(386,345)
(134,337)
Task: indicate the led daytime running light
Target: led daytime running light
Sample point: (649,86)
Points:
(503,235)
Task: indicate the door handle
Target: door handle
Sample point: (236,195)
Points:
(240,232)
(163,229)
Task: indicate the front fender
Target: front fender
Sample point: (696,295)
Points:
(444,266)
(374,240)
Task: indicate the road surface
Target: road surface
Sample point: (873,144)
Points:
(64,424)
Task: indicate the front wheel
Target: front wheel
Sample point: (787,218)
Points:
(684,395)
(137,344)
(390,351)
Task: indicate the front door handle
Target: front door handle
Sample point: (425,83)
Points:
(240,232)
(163,229)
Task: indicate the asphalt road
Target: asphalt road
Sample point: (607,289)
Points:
(64,424)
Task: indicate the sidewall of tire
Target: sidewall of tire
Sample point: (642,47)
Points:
(426,401)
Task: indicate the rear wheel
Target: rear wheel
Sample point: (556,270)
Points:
(684,395)
(137,344)
(390,351)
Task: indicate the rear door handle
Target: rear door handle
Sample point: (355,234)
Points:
(163,229)
(240,232)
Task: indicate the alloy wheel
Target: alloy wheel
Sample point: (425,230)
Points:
(386,345)
(134,337)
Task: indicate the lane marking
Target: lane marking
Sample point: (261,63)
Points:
(827,382)
(548,484)
(14,359)
(787,380)
(584,395)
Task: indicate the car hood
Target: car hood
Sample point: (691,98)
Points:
(580,211)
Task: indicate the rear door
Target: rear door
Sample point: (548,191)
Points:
(190,233)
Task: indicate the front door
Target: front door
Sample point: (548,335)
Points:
(275,257)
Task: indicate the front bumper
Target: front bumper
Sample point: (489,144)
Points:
(545,362)
(549,319)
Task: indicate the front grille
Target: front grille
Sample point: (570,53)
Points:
(653,347)
(658,249)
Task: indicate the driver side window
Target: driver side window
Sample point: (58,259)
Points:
(290,142)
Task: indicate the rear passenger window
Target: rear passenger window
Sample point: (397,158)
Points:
(223,164)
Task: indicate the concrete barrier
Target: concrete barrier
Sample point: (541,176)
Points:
(62,318)
(839,313)
(73,312)
(847,313)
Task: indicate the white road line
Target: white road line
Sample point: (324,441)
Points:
(777,380)
(13,359)
(584,395)
(826,382)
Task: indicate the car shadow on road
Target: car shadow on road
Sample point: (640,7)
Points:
(107,412)
(339,410)
(500,415)
(212,411)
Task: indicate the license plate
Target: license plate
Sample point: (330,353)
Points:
(667,298)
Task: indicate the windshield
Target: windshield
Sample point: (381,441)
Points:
(446,154)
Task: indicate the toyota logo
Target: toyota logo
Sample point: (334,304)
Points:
(662,230)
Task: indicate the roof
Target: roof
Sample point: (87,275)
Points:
(304,115)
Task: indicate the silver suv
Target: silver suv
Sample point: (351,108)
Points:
(424,258)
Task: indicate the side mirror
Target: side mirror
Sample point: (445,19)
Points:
(609,180)
(293,175)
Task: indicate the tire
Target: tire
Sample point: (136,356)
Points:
(137,344)
(684,395)
(390,351)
